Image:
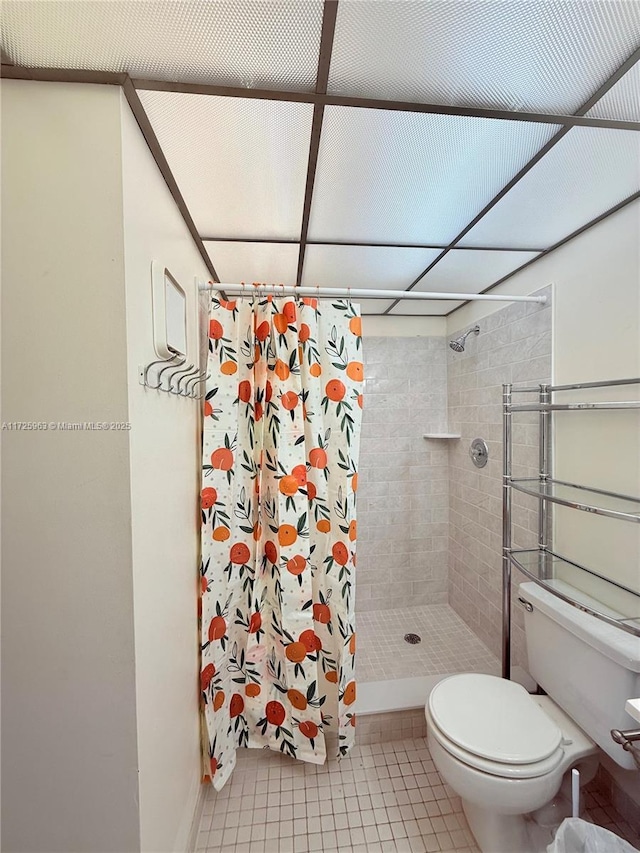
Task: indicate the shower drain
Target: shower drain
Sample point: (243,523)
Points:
(413,639)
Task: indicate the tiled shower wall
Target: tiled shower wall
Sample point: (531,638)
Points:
(514,345)
(403,481)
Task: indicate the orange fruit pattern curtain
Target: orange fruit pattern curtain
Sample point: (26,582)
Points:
(281,435)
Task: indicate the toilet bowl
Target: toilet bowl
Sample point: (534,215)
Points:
(504,752)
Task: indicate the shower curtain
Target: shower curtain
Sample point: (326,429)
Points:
(282,418)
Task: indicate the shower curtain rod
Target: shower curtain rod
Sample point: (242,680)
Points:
(354,292)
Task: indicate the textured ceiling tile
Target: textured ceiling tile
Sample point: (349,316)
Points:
(469,271)
(239,43)
(387,176)
(408,308)
(622,101)
(369,267)
(462,271)
(267,263)
(589,171)
(240,164)
(538,55)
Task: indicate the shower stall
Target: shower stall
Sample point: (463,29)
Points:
(409,636)
(428,582)
(428,595)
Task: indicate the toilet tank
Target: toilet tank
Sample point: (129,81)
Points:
(588,667)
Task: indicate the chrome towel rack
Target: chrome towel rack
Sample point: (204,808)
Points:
(627,740)
(539,564)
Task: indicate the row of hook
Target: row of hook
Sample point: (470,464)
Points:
(188,384)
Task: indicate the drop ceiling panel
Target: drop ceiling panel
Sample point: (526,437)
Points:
(253,44)
(462,271)
(589,171)
(387,176)
(409,308)
(622,100)
(268,263)
(541,56)
(371,268)
(240,164)
(372,306)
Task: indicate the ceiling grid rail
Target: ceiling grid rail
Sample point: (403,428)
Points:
(319,99)
(633,197)
(158,154)
(560,134)
(61,75)
(288,241)
(328,100)
(329,15)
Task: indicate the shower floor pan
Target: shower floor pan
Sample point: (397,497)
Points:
(394,674)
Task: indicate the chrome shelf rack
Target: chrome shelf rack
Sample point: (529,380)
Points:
(540,564)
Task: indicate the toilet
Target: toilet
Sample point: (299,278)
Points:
(504,751)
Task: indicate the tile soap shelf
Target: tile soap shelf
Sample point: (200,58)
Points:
(447,435)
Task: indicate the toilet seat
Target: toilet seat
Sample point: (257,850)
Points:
(497,768)
(494,725)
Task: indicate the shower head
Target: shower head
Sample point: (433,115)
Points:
(457,345)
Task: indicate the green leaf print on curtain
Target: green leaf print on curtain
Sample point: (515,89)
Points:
(282,419)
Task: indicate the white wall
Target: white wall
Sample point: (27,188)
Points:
(403,327)
(165,476)
(596,335)
(100,663)
(597,318)
(69,768)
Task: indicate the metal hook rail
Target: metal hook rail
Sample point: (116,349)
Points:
(187,385)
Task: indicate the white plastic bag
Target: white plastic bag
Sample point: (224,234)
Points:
(577,836)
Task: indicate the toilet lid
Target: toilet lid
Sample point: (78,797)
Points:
(493,718)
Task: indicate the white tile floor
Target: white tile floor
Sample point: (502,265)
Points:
(382,798)
(600,811)
(448,644)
